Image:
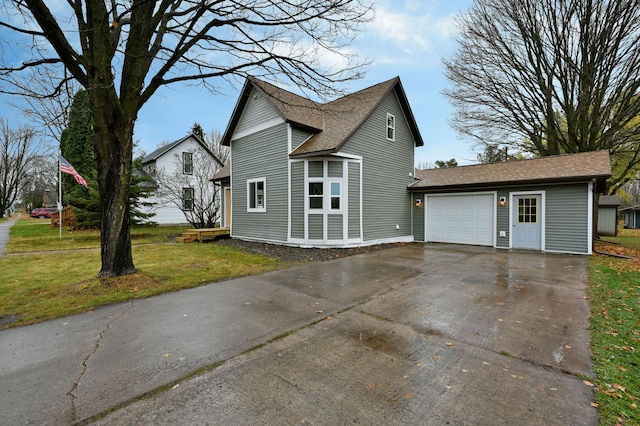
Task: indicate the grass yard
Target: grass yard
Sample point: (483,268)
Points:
(614,293)
(34,235)
(50,284)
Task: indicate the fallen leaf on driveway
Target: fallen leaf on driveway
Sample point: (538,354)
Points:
(588,383)
(320,312)
(448,344)
(166,355)
(595,405)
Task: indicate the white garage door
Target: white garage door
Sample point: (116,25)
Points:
(460,219)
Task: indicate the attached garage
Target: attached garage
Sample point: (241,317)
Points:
(461,218)
(544,204)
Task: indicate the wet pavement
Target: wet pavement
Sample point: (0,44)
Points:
(5,228)
(413,335)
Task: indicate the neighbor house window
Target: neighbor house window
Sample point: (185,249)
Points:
(528,210)
(316,192)
(391,127)
(187,163)
(187,199)
(256,195)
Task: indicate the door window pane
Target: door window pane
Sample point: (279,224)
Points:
(528,210)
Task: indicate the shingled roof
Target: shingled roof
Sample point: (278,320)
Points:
(332,123)
(560,168)
(153,156)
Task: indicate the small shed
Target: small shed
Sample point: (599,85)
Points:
(631,217)
(608,215)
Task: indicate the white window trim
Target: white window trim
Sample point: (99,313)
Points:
(262,208)
(193,195)
(184,163)
(393,128)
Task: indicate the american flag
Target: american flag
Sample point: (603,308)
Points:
(66,167)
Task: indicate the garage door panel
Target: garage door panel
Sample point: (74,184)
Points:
(461,219)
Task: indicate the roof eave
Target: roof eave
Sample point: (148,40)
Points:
(443,188)
(313,153)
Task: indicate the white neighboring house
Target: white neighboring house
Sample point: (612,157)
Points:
(176,165)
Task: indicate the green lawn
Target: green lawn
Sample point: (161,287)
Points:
(32,235)
(614,293)
(53,283)
(627,237)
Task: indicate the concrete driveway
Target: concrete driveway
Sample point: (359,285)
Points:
(412,335)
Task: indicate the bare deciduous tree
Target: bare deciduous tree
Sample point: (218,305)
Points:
(17,149)
(550,77)
(123,52)
(193,193)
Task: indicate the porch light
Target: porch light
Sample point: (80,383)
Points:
(418,202)
(503,201)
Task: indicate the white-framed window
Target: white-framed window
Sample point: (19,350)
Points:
(257,195)
(316,194)
(528,210)
(325,194)
(335,195)
(187,199)
(187,163)
(391,127)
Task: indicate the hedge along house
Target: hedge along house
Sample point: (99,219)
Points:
(545,204)
(329,174)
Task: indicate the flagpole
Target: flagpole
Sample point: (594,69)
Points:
(60,195)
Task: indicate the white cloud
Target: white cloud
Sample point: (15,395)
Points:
(412,29)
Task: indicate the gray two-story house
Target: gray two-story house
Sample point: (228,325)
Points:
(329,174)
(340,174)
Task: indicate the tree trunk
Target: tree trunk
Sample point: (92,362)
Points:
(114,156)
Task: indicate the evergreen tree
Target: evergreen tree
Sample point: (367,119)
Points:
(197,131)
(77,147)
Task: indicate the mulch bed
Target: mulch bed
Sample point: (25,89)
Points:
(299,254)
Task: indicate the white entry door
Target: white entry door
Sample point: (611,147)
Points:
(527,222)
(460,219)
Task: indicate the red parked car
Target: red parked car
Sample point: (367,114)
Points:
(43,212)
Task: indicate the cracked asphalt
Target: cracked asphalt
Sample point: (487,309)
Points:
(418,334)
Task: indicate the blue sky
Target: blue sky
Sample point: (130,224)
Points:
(407,38)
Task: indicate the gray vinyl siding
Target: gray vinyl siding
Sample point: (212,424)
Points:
(354,200)
(502,218)
(298,137)
(334,226)
(566,215)
(316,231)
(297,199)
(262,154)
(257,111)
(316,169)
(607,221)
(387,168)
(418,217)
(335,169)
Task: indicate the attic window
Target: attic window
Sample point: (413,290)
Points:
(187,163)
(391,127)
